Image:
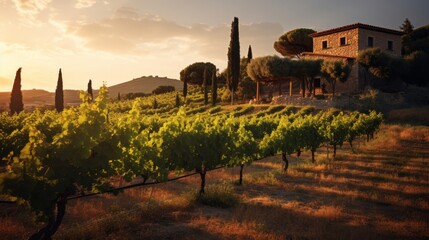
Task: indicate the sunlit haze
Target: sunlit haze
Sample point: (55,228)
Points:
(116,41)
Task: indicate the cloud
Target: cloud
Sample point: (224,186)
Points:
(132,33)
(84,3)
(30,7)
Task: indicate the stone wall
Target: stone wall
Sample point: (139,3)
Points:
(380,41)
(350,49)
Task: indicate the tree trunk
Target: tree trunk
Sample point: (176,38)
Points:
(286,162)
(290,87)
(314,88)
(298,152)
(367,138)
(240,181)
(257,92)
(232,96)
(351,143)
(312,156)
(145,178)
(303,87)
(202,172)
(54,223)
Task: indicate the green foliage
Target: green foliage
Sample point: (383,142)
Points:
(194,73)
(295,42)
(417,40)
(64,153)
(233,68)
(59,94)
(335,71)
(205,88)
(416,68)
(89,91)
(177,104)
(214,89)
(379,63)
(163,89)
(16,104)
(215,109)
(407,27)
(243,111)
(274,68)
(53,155)
(249,53)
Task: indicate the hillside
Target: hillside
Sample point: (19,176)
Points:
(38,97)
(144,84)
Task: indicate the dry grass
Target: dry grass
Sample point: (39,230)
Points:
(410,115)
(378,190)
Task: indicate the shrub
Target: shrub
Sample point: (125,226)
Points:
(218,195)
(163,89)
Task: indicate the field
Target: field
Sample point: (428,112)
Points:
(377,190)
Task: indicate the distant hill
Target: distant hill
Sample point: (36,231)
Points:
(37,97)
(144,85)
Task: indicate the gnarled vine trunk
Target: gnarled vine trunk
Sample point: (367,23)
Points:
(312,155)
(202,171)
(286,162)
(54,222)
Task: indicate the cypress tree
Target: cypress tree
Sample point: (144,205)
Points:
(407,27)
(90,90)
(206,100)
(177,100)
(155,104)
(185,88)
(234,59)
(59,94)
(16,104)
(214,88)
(249,54)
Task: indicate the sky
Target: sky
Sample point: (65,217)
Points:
(113,41)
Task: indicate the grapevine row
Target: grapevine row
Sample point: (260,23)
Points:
(54,156)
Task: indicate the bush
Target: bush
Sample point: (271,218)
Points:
(163,89)
(218,195)
(215,109)
(243,111)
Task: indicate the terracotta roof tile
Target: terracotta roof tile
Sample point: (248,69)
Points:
(353,26)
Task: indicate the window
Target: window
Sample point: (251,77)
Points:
(390,45)
(370,42)
(324,44)
(343,41)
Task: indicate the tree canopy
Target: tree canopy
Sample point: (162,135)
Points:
(295,42)
(194,73)
(417,40)
(379,63)
(163,89)
(274,68)
(407,27)
(335,71)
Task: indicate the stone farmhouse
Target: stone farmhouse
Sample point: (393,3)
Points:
(344,43)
